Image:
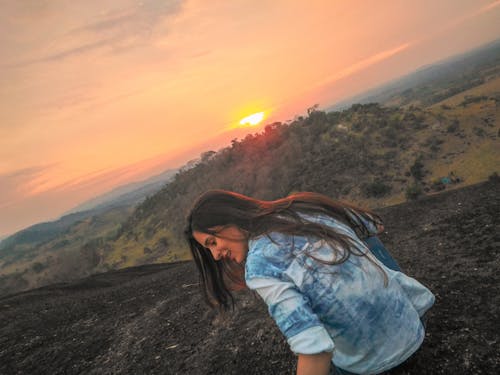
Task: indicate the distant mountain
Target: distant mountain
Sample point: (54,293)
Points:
(435,82)
(65,248)
(129,194)
(41,232)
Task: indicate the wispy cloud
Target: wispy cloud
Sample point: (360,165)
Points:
(140,19)
(40,180)
(365,63)
(21,174)
(62,54)
(14,185)
(130,27)
(460,20)
(489,7)
(114,31)
(39,183)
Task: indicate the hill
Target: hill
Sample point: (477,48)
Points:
(432,130)
(63,249)
(369,154)
(373,155)
(129,194)
(436,82)
(441,134)
(151,319)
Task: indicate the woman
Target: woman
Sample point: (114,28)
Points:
(305,256)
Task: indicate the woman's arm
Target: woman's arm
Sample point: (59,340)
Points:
(292,313)
(290,308)
(314,364)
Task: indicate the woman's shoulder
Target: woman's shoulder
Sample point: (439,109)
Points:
(271,244)
(269,255)
(331,222)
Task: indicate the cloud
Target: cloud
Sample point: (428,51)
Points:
(365,63)
(460,20)
(37,183)
(489,7)
(15,184)
(21,173)
(28,10)
(21,184)
(113,31)
(125,28)
(61,55)
(136,20)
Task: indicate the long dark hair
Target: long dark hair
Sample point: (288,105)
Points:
(256,217)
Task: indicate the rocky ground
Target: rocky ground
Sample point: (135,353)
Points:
(151,319)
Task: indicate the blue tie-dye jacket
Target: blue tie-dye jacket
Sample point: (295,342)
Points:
(342,308)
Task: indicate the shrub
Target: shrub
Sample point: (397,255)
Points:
(413,192)
(390,155)
(437,185)
(417,169)
(479,131)
(453,127)
(358,126)
(494,177)
(376,189)
(473,99)
(38,267)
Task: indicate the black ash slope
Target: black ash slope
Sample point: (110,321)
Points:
(151,319)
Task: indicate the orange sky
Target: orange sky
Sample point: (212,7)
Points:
(98,93)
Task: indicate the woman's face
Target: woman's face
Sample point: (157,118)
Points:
(228,242)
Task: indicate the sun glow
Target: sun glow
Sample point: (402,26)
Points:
(253,120)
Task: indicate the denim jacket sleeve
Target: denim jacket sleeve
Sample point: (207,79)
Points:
(289,308)
(265,273)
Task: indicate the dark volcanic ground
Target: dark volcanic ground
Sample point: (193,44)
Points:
(151,319)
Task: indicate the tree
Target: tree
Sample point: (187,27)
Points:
(413,191)
(312,109)
(376,188)
(206,156)
(417,169)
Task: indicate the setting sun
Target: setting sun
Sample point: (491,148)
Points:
(252,120)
